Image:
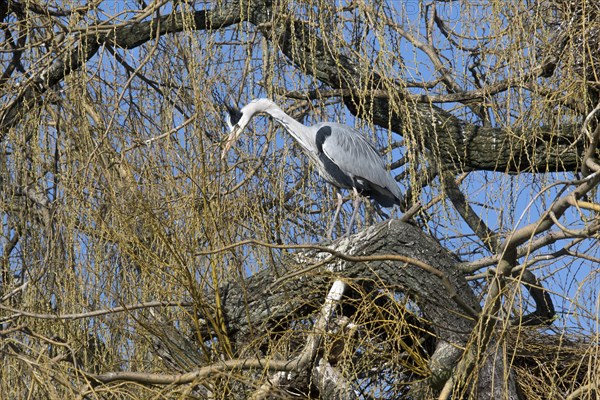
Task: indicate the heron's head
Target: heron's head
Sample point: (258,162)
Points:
(237,120)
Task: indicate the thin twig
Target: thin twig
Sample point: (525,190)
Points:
(90,314)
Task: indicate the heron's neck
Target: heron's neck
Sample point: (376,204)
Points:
(299,131)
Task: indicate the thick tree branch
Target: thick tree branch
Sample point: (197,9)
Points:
(544,307)
(454,141)
(126,36)
(268,306)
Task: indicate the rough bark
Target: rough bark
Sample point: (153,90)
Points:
(257,305)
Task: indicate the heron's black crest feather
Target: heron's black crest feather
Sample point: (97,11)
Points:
(234,114)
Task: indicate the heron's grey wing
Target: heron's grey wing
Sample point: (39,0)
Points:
(355,156)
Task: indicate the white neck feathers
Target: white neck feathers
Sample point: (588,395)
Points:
(299,131)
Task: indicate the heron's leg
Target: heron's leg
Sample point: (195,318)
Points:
(379,211)
(356,203)
(340,201)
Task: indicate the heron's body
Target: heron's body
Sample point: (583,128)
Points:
(342,155)
(348,160)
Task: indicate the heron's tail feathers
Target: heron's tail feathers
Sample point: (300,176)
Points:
(383,196)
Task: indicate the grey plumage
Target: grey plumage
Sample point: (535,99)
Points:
(342,155)
(353,157)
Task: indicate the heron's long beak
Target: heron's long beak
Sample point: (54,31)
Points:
(233,137)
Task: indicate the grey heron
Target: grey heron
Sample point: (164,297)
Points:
(342,155)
